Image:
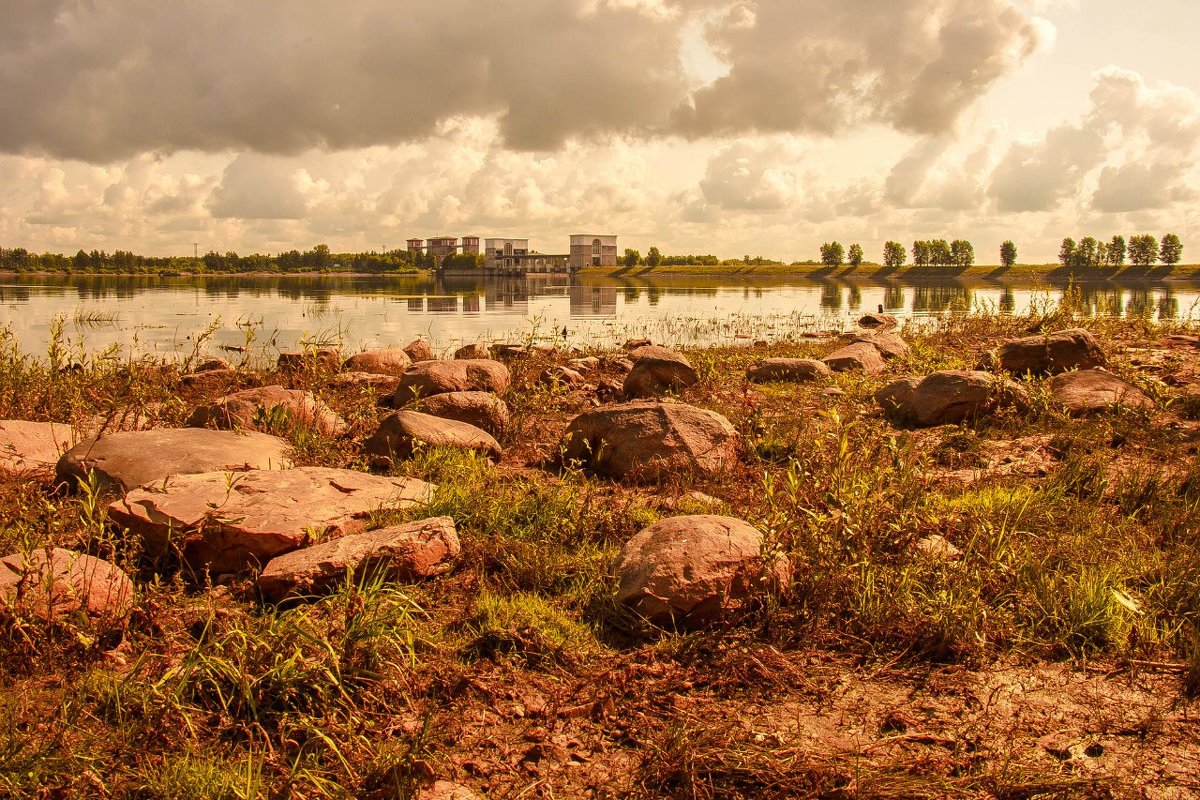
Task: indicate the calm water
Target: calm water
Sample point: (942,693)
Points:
(165,315)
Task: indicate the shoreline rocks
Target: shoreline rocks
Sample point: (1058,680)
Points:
(947,397)
(33,447)
(54,584)
(1048,354)
(403,433)
(460,375)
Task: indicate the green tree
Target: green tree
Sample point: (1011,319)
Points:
(1008,253)
(1143,250)
(653,257)
(1171,251)
(920,253)
(940,253)
(855,256)
(1085,252)
(962,253)
(632,257)
(832,254)
(893,254)
(1066,253)
(1116,251)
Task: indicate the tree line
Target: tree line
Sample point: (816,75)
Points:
(1142,251)
(318,259)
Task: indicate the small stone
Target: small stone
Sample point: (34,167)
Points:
(937,547)
(54,584)
(401,434)
(560,376)
(253,409)
(472,351)
(325,358)
(418,350)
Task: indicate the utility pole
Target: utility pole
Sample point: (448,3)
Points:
(195,249)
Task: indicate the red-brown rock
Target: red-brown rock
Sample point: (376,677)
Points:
(253,408)
(226,523)
(948,397)
(1094,391)
(459,375)
(481,409)
(689,571)
(791,370)
(53,585)
(1047,354)
(407,552)
(648,441)
(387,361)
(32,447)
(657,371)
(858,357)
(403,433)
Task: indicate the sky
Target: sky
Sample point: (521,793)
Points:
(734,127)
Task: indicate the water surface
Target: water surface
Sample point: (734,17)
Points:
(164,316)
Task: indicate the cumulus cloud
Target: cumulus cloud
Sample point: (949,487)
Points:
(1134,147)
(752,177)
(106,81)
(259,187)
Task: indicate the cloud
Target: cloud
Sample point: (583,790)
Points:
(259,187)
(752,177)
(107,81)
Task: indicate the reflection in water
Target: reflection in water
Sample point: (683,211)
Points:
(159,314)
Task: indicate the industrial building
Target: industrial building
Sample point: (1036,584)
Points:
(593,250)
(513,256)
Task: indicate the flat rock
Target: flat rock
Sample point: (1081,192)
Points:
(460,375)
(481,409)
(32,447)
(386,361)
(226,523)
(53,585)
(419,351)
(889,344)
(948,397)
(584,365)
(1094,391)
(657,371)
(475,350)
(325,358)
(1047,354)
(648,441)
(691,570)
(879,320)
(133,458)
(401,434)
(254,409)
(380,384)
(791,370)
(858,357)
(408,552)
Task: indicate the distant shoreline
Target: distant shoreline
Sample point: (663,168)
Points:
(877,272)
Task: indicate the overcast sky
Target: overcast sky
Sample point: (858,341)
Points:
(745,127)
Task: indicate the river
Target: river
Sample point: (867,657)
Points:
(135,316)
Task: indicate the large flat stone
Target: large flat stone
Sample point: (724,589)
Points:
(32,447)
(228,522)
(133,458)
(403,433)
(401,553)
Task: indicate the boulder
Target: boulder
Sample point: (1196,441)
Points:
(949,397)
(507,352)
(656,371)
(386,361)
(325,358)
(879,320)
(226,523)
(32,447)
(460,375)
(380,384)
(691,570)
(134,458)
(408,552)
(649,441)
(481,409)
(472,351)
(257,408)
(1094,391)
(792,370)
(401,434)
(889,344)
(858,357)
(1047,354)
(210,379)
(560,376)
(634,344)
(419,351)
(54,585)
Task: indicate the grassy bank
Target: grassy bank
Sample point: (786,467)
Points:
(883,671)
(1049,272)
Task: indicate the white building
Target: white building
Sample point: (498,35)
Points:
(593,250)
